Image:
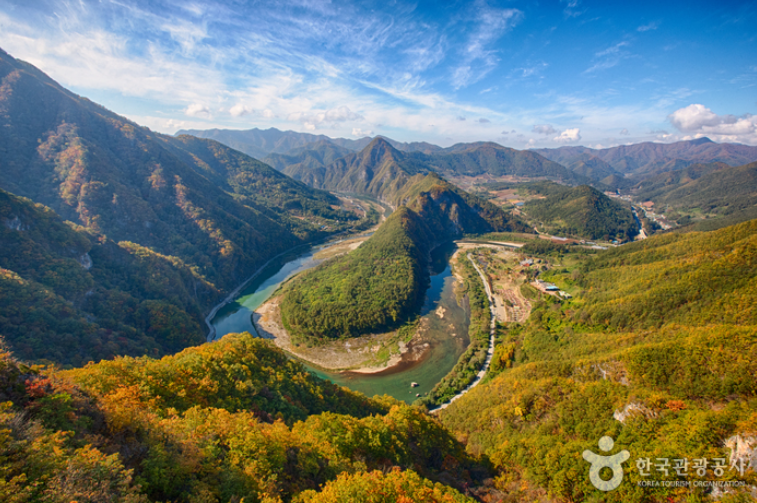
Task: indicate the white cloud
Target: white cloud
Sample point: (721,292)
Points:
(572,8)
(609,57)
(268,113)
(545,129)
(359,133)
(197,110)
(568,136)
(624,132)
(483,120)
(478,56)
(648,27)
(698,120)
(240,110)
(312,120)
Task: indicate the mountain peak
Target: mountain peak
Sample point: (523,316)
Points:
(380,147)
(701,141)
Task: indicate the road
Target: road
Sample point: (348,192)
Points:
(490,352)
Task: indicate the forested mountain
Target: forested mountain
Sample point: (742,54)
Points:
(260,143)
(70,296)
(715,187)
(379,170)
(579,212)
(656,350)
(645,159)
(301,160)
(228,421)
(490,158)
(381,285)
(195,216)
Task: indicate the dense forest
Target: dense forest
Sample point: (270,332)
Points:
(656,349)
(716,189)
(140,233)
(581,212)
(374,288)
(381,285)
(229,421)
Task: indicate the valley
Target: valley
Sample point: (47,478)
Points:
(269,316)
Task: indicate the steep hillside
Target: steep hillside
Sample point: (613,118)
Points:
(381,285)
(301,160)
(212,207)
(70,296)
(235,420)
(656,350)
(579,212)
(168,225)
(379,170)
(645,159)
(716,188)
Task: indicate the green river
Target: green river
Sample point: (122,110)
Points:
(444,349)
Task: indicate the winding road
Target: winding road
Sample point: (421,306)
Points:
(490,352)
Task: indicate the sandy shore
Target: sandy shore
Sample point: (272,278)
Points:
(355,355)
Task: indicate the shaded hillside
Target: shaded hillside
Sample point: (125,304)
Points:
(381,285)
(645,159)
(603,174)
(166,225)
(656,350)
(301,160)
(69,296)
(212,207)
(580,212)
(379,170)
(716,187)
(232,420)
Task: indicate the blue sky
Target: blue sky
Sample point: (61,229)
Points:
(523,74)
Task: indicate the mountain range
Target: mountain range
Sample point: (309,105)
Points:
(144,231)
(116,241)
(645,159)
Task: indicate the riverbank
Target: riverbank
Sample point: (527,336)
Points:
(349,243)
(505,304)
(365,355)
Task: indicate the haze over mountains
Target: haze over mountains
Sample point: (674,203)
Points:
(309,157)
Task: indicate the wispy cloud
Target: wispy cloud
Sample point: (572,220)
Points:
(478,55)
(649,26)
(342,67)
(609,57)
(572,8)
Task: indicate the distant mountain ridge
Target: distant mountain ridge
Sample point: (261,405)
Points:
(714,187)
(381,170)
(259,143)
(643,159)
